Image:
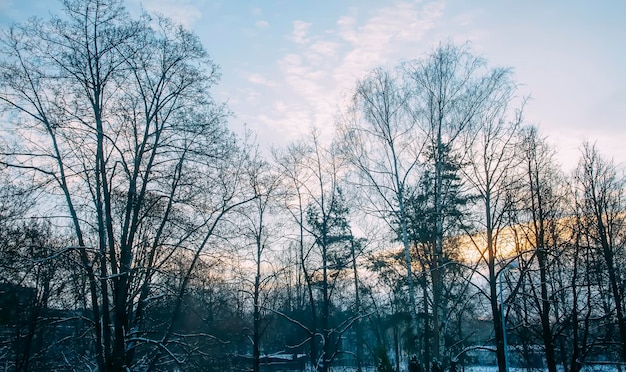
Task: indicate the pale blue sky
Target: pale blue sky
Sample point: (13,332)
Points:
(287,64)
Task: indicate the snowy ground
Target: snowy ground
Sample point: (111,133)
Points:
(602,368)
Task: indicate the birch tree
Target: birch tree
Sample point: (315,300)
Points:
(382,143)
(448,91)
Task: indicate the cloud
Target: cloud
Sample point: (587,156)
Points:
(385,36)
(6,4)
(300,29)
(262,24)
(261,80)
(180,11)
(321,67)
(325,48)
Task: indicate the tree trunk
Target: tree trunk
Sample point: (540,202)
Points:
(357,306)
(496,310)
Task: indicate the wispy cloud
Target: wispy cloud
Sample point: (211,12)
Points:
(181,11)
(299,34)
(261,80)
(324,48)
(324,64)
(384,37)
(262,24)
(6,4)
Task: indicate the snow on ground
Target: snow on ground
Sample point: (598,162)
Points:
(597,368)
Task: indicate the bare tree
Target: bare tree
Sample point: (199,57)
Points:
(382,143)
(259,228)
(602,194)
(112,118)
(407,136)
(448,90)
(491,172)
(586,292)
(541,239)
(320,212)
(297,177)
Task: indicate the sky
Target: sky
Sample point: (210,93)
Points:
(289,64)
